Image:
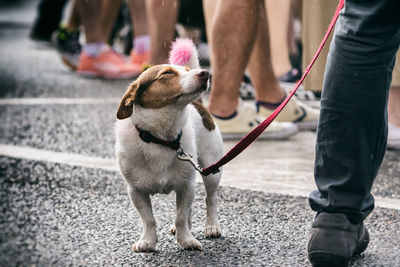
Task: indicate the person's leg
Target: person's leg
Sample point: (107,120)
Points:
(269,94)
(138,16)
(90,12)
(351,139)
(97,59)
(233,35)
(394,106)
(109,14)
(141,40)
(352,130)
(161,27)
(295,10)
(209,8)
(294,74)
(260,67)
(48,19)
(67,39)
(232,42)
(74,19)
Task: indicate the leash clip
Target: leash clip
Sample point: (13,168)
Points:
(182,155)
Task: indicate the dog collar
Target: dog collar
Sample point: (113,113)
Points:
(147,137)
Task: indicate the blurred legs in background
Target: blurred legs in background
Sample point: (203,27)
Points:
(98,59)
(161,27)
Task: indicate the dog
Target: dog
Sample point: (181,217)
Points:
(159,117)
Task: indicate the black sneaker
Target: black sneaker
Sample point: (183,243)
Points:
(292,76)
(246,90)
(334,240)
(67,44)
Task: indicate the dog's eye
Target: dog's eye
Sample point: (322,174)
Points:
(167,72)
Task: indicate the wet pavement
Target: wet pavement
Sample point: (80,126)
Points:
(56,214)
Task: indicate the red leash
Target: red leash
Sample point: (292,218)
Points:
(251,136)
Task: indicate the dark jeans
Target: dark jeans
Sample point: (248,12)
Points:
(352,130)
(48,18)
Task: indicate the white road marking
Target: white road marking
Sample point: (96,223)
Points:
(290,187)
(58,101)
(57,157)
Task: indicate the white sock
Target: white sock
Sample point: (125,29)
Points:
(93,49)
(141,44)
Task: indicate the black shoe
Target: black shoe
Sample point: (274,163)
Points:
(334,240)
(246,90)
(67,44)
(292,76)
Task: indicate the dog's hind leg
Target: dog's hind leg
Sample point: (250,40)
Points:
(148,239)
(212,224)
(209,151)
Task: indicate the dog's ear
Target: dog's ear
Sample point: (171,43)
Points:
(125,107)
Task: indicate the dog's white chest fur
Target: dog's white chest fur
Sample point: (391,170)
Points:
(151,167)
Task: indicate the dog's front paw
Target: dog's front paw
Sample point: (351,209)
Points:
(190,244)
(144,246)
(212,231)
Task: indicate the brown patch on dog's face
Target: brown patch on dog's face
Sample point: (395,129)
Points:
(155,88)
(159,87)
(205,115)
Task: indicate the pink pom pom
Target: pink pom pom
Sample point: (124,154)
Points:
(181,51)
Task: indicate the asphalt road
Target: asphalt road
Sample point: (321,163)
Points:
(58,214)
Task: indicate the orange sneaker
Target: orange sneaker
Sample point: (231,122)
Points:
(108,64)
(140,59)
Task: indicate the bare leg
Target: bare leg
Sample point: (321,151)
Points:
(138,16)
(162,16)
(233,35)
(74,19)
(110,9)
(209,8)
(394,106)
(90,14)
(265,83)
(290,30)
(96,59)
(148,238)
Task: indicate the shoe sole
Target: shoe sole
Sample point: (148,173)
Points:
(276,135)
(67,62)
(324,259)
(307,125)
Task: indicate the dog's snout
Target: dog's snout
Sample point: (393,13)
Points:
(204,75)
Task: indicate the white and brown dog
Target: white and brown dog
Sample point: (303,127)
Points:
(158,116)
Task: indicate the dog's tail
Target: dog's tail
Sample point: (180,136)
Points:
(184,53)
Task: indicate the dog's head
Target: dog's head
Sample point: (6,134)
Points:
(178,83)
(163,85)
